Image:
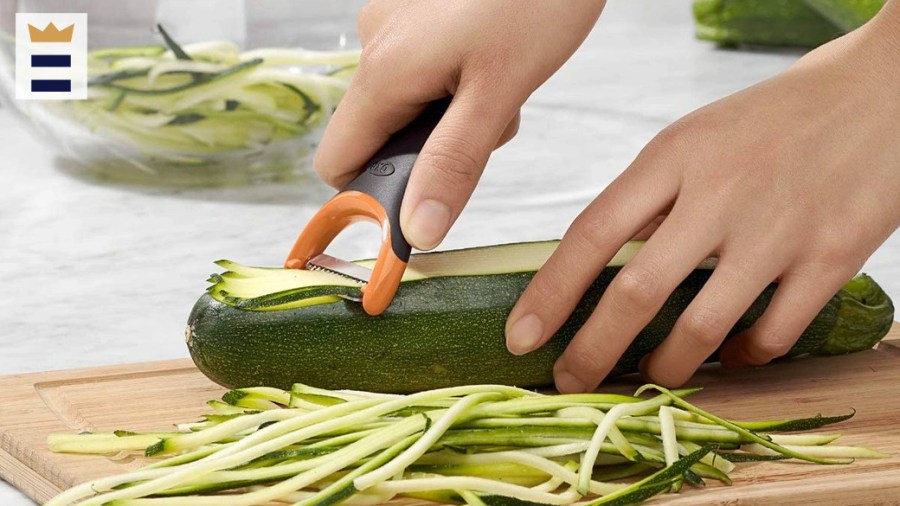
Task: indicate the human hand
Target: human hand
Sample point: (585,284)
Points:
(794,180)
(489,55)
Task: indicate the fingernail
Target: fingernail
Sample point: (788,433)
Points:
(525,334)
(567,383)
(428,224)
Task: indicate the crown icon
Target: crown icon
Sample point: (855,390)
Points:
(51,33)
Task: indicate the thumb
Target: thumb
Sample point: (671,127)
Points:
(450,164)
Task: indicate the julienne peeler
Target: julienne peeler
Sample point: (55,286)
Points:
(375,195)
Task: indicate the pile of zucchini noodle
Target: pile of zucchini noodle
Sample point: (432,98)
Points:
(188,104)
(476,444)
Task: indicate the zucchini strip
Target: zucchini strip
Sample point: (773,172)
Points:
(207,104)
(446,445)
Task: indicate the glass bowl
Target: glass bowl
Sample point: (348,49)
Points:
(194,92)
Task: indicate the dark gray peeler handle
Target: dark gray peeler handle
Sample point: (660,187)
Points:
(387,172)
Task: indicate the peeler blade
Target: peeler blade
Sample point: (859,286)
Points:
(340,267)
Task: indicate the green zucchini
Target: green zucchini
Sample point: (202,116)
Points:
(762,22)
(847,14)
(276,327)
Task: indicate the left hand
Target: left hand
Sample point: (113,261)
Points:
(794,180)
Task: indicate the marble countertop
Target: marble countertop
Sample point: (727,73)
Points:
(75,256)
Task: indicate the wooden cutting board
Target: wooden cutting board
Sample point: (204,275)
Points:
(154,395)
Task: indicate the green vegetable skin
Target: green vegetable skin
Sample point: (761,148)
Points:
(449,330)
(847,14)
(808,23)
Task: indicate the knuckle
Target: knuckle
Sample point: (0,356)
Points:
(768,346)
(592,230)
(676,137)
(546,289)
(554,294)
(374,59)
(826,265)
(806,272)
(837,257)
(678,146)
(369,58)
(704,327)
(451,160)
(636,287)
(586,363)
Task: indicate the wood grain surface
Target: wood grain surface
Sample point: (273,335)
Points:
(152,396)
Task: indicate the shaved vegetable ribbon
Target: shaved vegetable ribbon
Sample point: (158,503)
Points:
(478,445)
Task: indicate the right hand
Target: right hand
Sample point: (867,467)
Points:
(489,55)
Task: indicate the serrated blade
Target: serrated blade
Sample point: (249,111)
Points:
(340,267)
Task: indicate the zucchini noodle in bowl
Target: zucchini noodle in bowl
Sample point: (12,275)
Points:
(200,114)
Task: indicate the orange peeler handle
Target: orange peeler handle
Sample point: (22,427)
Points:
(375,195)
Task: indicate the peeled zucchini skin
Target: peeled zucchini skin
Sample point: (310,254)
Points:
(450,331)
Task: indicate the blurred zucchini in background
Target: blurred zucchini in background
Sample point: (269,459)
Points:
(796,23)
(847,14)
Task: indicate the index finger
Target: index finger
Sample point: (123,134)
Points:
(363,121)
(626,206)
